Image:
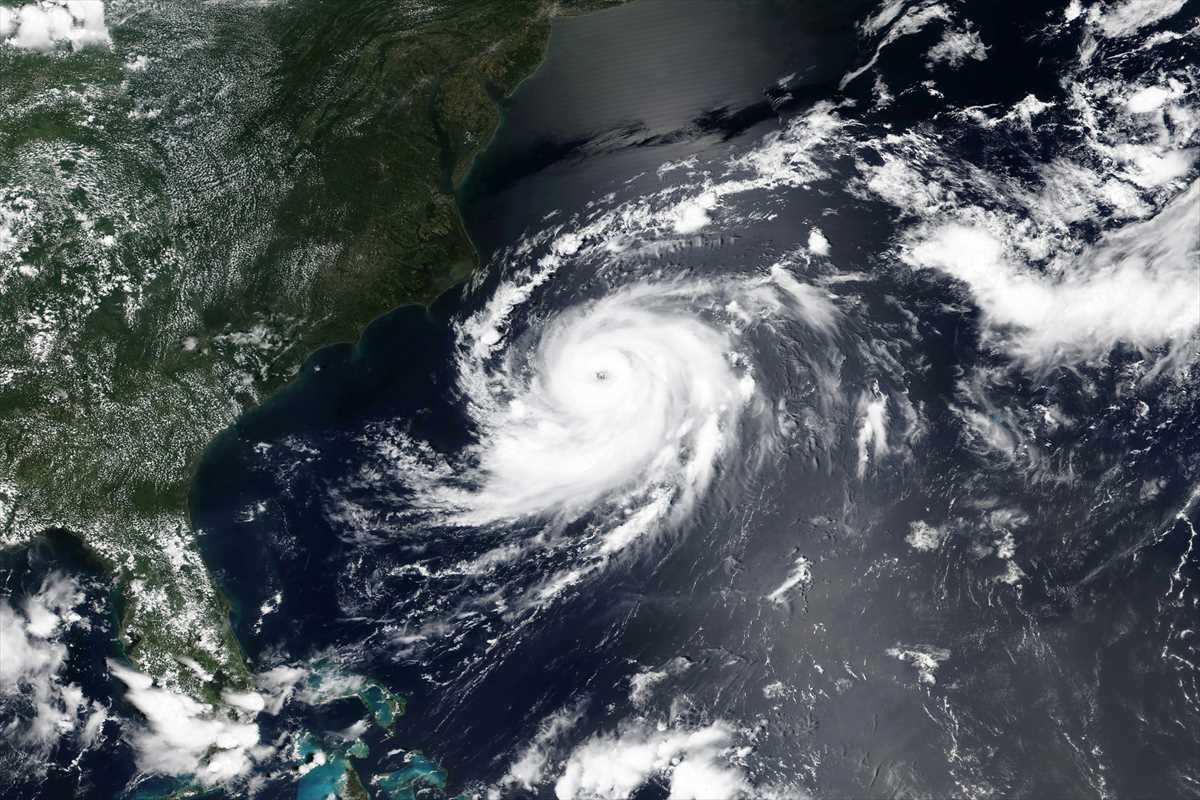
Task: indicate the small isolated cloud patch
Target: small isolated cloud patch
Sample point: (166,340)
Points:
(872,427)
(818,245)
(799,576)
(924,658)
(923,536)
(956,47)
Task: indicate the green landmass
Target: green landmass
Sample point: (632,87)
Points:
(184,217)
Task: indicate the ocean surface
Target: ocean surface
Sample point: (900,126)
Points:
(882,569)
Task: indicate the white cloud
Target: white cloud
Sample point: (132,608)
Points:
(642,684)
(278,685)
(800,575)
(923,536)
(913,20)
(529,769)
(183,737)
(220,746)
(924,658)
(882,18)
(8,21)
(46,24)
(1151,165)
(811,304)
(1138,284)
(956,46)
(1045,257)
(818,245)
(1122,19)
(872,427)
(1149,98)
(1006,548)
(696,762)
(32,659)
(252,702)
(693,214)
(702,779)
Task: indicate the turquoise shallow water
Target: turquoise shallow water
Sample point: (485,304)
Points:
(827,681)
(323,781)
(403,784)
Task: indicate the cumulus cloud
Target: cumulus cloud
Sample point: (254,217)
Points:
(693,214)
(252,702)
(800,575)
(47,24)
(1115,20)
(1151,98)
(32,659)
(1152,165)
(1042,250)
(818,245)
(278,685)
(924,658)
(529,770)
(184,737)
(809,302)
(956,46)
(899,20)
(219,746)
(696,763)
(643,684)
(923,536)
(872,427)
(1138,285)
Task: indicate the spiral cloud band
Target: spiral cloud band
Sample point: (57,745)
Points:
(627,402)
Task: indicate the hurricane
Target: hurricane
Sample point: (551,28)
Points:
(630,401)
(598,427)
(818,420)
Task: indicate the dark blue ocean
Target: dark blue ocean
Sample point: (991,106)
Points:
(915,565)
(1032,677)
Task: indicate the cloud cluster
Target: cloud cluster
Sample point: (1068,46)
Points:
(49,23)
(800,575)
(1039,244)
(643,684)
(32,659)
(818,245)
(923,536)
(1116,20)
(872,436)
(696,764)
(221,745)
(184,737)
(529,770)
(1137,285)
(924,658)
(956,46)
